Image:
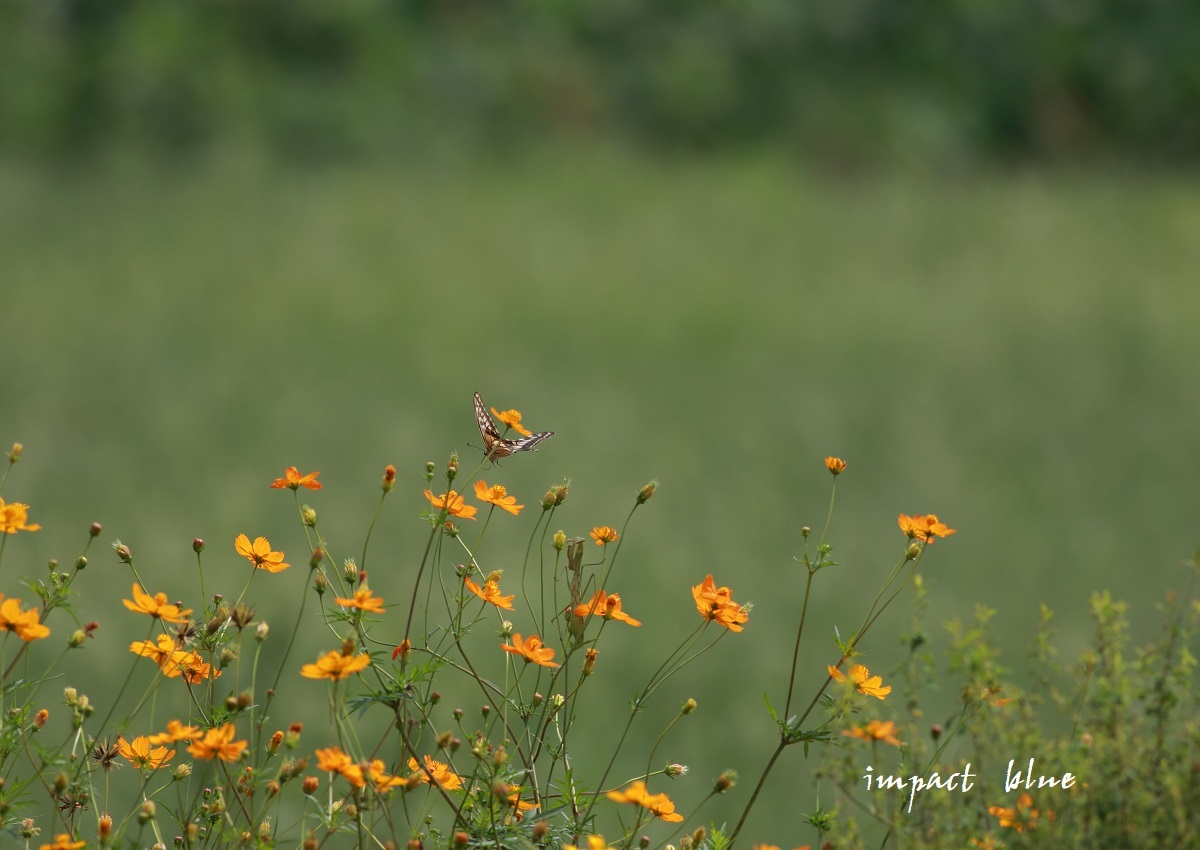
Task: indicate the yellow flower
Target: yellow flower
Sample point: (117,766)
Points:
(594,842)
(140,753)
(835,465)
(63,841)
(452,503)
(362,600)
(603,534)
(490,592)
(531,650)
(176,731)
(259,553)
(156,606)
(512,418)
(162,652)
(498,496)
(923,527)
(1021,818)
(659,805)
(333,760)
(192,667)
(608,607)
(436,773)
(864,682)
(24,623)
(293,480)
(876,730)
(218,743)
(380,777)
(13,516)
(334,665)
(716,605)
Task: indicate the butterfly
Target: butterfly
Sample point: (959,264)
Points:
(495,446)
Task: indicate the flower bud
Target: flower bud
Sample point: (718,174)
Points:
(39,719)
(104,828)
(260,632)
(688,707)
(94,529)
(403,651)
(320,583)
(452,468)
(725,781)
(646,492)
(549,500)
(538,833)
(70,695)
(182,771)
(560,540)
(81,563)
(15,452)
(935,731)
(913,550)
(308,516)
(77,638)
(389,478)
(147,812)
(123,552)
(309,785)
(349,571)
(589,660)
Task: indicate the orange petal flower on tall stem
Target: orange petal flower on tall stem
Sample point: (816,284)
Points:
(452,503)
(333,760)
(924,527)
(176,731)
(141,753)
(608,607)
(218,743)
(835,465)
(512,418)
(1024,816)
(362,600)
(497,495)
(864,682)
(877,730)
(156,606)
(259,553)
(14,517)
(63,841)
(531,649)
(24,624)
(716,605)
(659,805)
(603,534)
(435,773)
(490,592)
(293,480)
(334,665)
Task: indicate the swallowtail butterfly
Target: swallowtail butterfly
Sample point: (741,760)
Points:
(495,446)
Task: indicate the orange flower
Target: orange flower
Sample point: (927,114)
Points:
(452,503)
(192,667)
(988,843)
(141,754)
(63,841)
(218,743)
(1021,818)
(293,480)
(333,760)
(162,652)
(925,527)
(512,418)
(716,605)
(835,465)
(531,649)
(876,730)
(176,731)
(260,554)
(608,607)
(334,665)
(864,682)
(380,777)
(774,847)
(13,516)
(498,496)
(515,802)
(362,600)
(156,606)
(490,592)
(659,805)
(594,842)
(603,534)
(24,623)
(436,773)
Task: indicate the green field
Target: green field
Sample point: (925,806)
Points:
(1016,352)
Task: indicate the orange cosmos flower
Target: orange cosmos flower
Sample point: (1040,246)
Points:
(162,652)
(333,760)
(362,600)
(140,753)
(63,841)
(531,650)
(716,605)
(988,843)
(490,592)
(23,623)
(863,681)
(603,534)
(13,516)
(156,606)
(515,802)
(835,465)
(193,668)
(512,418)
(608,607)
(659,805)
(1021,818)
(334,665)
(435,773)
(292,479)
(876,730)
(176,731)
(594,842)
(380,779)
(452,503)
(260,554)
(218,743)
(924,527)
(498,496)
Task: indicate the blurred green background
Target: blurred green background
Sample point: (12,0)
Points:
(955,243)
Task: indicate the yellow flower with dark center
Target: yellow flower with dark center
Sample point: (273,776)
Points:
(24,624)
(362,600)
(716,605)
(512,418)
(333,665)
(452,503)
(835,465)
(141,753)
(13,518)
(219,744)
(659,805)
(608,607)
(497,495)
(293,480)
(490,592)
(876,730)
(435,773)
(333,760)
(603,534)
(259,553)
(156,606)
(531,649)
(864,682)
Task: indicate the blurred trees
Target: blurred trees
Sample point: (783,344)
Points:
(842,79)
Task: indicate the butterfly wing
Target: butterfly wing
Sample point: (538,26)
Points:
(495,446)
(526,444)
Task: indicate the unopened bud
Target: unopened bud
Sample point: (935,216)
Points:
(81,563)
(147,812)
(15,452)
(560,540)
(452,468)
(310,784)
(123,552)
(389,478)
(94,529)
(688,707)
(308,516)
(725,781)
(646,492)
(260,632)
(104,827)
(197,545)
(913,550)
